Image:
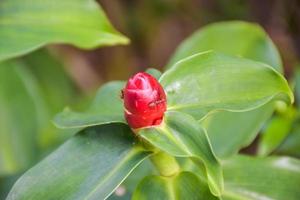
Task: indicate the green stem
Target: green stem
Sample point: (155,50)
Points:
(165,164)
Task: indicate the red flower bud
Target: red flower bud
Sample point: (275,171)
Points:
(144,101)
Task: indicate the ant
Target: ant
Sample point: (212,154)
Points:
(151,104)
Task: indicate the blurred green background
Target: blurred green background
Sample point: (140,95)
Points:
(155,28)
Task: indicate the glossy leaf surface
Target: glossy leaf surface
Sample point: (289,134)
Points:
(243,39)
(26,25)
(107,107)
(181,136)
(231,131)
(185,185)
(212,81)
(252,178)
(90,165)
(273,178)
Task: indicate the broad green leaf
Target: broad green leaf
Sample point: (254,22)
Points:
(238,38)
(252,178)
(230,131)
(106,108)
(26,25)
(184,185)
(18,119)
(90,165)
(212,81)
(180,135)
(276,131)
(273,178)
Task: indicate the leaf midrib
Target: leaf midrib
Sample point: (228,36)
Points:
(131,154)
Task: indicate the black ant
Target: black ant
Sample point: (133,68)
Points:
(155,103)
(122,94)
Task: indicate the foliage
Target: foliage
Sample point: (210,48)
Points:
(35,87)
(222,85)
(241,39)
(31,24)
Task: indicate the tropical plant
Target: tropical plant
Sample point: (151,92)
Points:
(171,135)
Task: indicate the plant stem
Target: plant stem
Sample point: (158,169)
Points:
(165,164)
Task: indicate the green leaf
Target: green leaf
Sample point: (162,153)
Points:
(106,108)
(291,144)
(90,165)
(18,118)
(273,178)
(247,178)
(185,185)
(181,136)
(276,131)
(26,25)
(212,81)
(231,131)
(238,38)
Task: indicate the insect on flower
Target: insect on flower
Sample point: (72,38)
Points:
(144,101)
